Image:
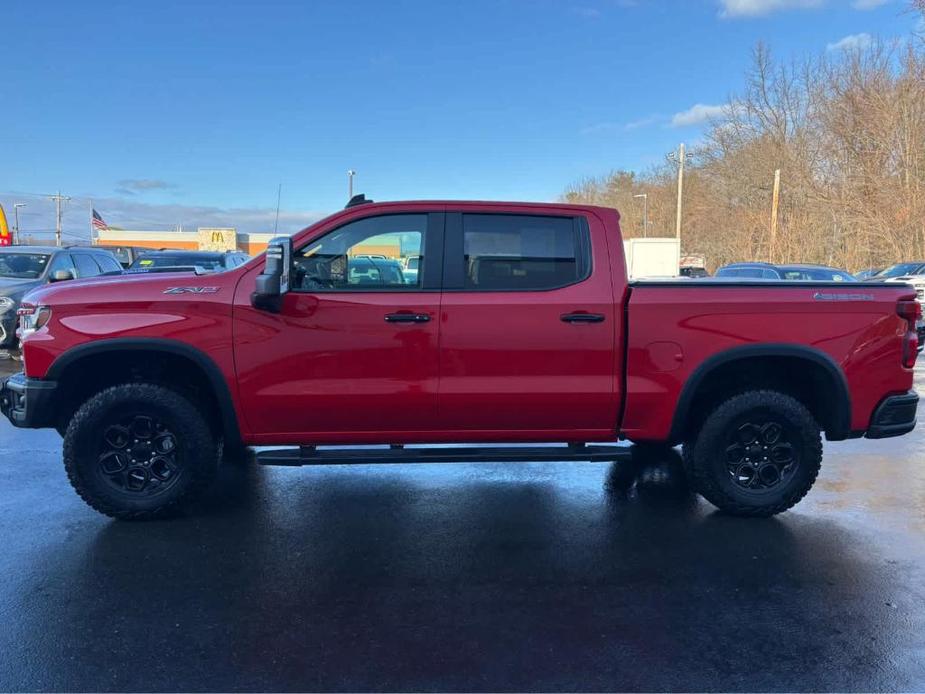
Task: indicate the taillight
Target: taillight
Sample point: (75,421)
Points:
(910,311)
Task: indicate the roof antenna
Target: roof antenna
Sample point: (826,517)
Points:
(279,192)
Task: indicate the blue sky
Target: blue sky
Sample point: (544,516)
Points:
(192,112)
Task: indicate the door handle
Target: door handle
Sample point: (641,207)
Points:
(407,318)
(582,318)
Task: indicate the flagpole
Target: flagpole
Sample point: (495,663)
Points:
(92,241)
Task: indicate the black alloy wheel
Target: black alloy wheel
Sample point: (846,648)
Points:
(138,456)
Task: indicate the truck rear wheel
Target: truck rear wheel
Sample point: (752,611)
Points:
(137,451)
(757,454)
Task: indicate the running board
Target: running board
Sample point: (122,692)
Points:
(308,455)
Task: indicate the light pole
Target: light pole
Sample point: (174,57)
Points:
(350,174)
(645,212)
(679,157)
(16,206)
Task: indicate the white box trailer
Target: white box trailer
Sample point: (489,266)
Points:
(652,257)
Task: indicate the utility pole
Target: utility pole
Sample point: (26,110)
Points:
(679,157)
(16,206)
(58,198)
(775,201)
(350,174)
(645,213)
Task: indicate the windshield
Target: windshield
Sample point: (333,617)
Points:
(206,262)
(899,270)
(29,266)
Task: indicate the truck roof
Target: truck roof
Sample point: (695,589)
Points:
(369,204)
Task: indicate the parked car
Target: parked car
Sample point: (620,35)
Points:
(907,273)
(804,273)
(411,265)
(209,261)
(126,255)
(370,270)
(694,272)
(523,328)
(862,275)
(23,268)
(907,269)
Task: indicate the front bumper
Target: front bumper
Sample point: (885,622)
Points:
(894,416)
(27,402)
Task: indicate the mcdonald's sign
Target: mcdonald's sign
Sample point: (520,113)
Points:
(5,238)
(218,239)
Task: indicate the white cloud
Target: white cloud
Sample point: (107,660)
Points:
(642,123)
(697,114)
(868,4)
(130,186)
(612,127)
(587,12)
(760,8)
(851,43)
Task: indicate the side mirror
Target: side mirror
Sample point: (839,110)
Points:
(61,276)
(273,282)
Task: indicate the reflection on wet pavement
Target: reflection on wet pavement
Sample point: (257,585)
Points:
(475,577)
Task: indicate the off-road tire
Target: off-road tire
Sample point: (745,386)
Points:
(197,454)
(705,456)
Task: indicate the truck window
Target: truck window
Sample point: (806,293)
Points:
(85,265)
(521,252)
(365,255)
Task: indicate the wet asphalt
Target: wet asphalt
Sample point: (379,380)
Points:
(569,576)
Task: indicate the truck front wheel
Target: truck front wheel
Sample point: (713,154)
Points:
(137,450)
(757,454)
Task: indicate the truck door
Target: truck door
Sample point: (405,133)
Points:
(527,328)
(353,350)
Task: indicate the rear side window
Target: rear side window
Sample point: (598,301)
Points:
(85,265)
(107,263)
(522,252)
(748,273)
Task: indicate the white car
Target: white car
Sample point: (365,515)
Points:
(917,281)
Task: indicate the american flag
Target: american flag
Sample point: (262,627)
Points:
(98,222)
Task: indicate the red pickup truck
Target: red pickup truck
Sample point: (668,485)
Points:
(519,327)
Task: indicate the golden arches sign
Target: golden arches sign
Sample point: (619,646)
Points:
(217,239)
(5,239)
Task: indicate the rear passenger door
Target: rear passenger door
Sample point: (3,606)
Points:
(527,328)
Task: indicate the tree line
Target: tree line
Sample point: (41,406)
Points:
(847,132)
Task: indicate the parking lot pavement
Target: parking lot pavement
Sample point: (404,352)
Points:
(466,577)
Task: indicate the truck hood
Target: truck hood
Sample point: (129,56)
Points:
(122,288)
(16,287)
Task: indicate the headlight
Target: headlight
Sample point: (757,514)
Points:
(31,318)
(6,303)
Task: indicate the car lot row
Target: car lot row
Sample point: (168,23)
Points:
(24,268)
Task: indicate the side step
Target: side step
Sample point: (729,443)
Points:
(308,455)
